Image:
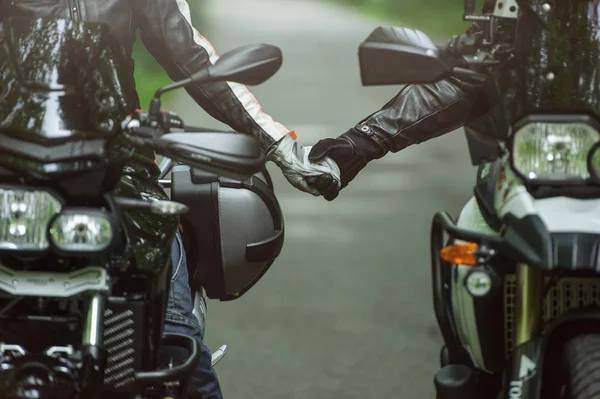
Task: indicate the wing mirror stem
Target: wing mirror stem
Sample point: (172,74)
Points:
(155,104)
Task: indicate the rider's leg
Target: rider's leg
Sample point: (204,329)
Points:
(180,319)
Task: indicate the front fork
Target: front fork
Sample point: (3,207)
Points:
(458,381)
(93,328)
(528,304)
(93,352)
(524,362)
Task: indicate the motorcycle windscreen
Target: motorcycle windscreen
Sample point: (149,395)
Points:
(60,79)
(556,70)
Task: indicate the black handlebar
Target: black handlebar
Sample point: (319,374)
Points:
(508,244)
(444,219)
(195,129)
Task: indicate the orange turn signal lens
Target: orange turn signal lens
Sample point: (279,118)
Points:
(460,254)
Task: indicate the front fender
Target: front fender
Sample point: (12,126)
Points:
(530,362)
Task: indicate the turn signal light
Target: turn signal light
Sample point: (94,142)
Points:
(460,254)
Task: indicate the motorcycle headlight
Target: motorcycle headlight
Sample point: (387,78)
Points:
(24,218)
(553,151)
(81,231)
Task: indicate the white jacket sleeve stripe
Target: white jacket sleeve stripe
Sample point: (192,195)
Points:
(274,129)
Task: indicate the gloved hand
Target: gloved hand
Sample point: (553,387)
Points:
(292,159)
(351,152)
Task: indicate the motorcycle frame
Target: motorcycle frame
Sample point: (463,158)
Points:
(523,372)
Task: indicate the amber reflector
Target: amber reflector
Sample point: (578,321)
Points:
(460,254)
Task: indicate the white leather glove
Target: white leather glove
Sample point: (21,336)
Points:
(292,158)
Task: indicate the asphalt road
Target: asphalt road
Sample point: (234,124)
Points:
(346,311)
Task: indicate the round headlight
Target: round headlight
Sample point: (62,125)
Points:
(81,231)
(24,217)
(553,151)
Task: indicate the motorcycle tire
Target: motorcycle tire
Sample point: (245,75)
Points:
(582,360)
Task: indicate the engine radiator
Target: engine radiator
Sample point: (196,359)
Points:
(123,343)
(567,293)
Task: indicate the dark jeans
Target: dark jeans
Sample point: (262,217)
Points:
(179,319)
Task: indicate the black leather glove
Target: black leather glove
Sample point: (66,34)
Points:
(351,152)
(293,160)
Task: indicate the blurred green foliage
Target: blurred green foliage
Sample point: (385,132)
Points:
(149,75)
(439,19)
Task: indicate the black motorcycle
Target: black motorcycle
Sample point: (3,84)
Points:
(85,228)
(516,279)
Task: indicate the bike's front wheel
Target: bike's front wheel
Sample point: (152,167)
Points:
(581,358)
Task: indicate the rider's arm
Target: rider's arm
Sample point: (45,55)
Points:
(419,112)
(422,112)
(168,34)
(416,114)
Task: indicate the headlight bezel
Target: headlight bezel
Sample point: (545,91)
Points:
(564,119)
(115,231)
(34,188)
(594,174)
(65,209)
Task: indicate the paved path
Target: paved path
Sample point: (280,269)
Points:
(346,312)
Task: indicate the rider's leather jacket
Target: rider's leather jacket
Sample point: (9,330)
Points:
(421,112)
(167,32)
(416,114)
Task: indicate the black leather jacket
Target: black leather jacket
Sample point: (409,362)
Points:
(168,34)
(418,113)
(421,112)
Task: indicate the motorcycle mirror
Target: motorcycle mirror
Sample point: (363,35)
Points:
(233,155)
(249,65)
(392,55)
